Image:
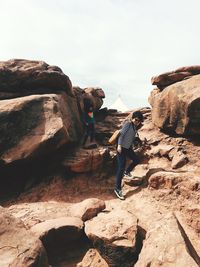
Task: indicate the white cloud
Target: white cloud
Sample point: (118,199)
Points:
(116,44)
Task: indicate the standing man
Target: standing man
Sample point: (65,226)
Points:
(128,133)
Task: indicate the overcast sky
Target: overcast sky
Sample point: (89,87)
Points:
(114,44)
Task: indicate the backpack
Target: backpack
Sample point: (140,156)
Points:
(113,138)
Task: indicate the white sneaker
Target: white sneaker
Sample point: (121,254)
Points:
(128,175)
(119,194)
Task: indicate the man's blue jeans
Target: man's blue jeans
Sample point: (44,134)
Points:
(121,160)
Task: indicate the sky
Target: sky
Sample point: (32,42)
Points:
(117,45)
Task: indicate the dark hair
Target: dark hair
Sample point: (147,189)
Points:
(139,115)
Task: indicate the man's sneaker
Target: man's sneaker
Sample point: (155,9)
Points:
(128,175)
(119,194)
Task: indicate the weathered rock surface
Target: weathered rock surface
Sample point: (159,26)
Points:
(37,125)
(177,108)
(19,77)
(35,213)
(18,246)
(138,176)
(164,246)
(58,235)
(87,209)
(179,159)
(193,218)
(166,204)
(115,239)
(65,228)
(83,160)
(161,150)
(95,95)
(92,259)
(171,77)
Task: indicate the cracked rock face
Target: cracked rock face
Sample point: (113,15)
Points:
(59,235)
(168,247)
(21,77)
(92,259)
(34,125)
(113,234)
(157,224)
(176,108)
(18,246)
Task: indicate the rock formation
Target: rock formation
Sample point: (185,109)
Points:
(41,114)
(175,108)
(70,215)
(18,246)
(21,77)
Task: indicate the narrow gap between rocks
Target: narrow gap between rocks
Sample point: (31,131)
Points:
(190,248)
(63,252)
(140,237)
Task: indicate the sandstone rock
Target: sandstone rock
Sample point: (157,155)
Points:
(38,211)
(183,183)
(138,175)
(179,160)
(161,150)
(164,246)
(87,209)
(189,185)
(193,218)
(85,160)
(92,259)
(36,125)
(176,109)
(192,69)
(18,247)
(95,95)
(34,213)
(95,91)
(69,227)
(25,77)
(115,239)
(168,78)
(59,235)
(134,181)
(171,77)
(164,179)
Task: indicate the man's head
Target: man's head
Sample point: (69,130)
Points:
(137,118)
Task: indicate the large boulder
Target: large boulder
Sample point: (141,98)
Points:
(38,212)
(87,209)
(165,246)
(37,125)
(19,247)
(86,160)
(177,108)
(177,75)
(114,234)
(95,95)
(20,77)
(92,95)
(59,235)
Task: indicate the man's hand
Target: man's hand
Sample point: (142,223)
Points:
(119,149)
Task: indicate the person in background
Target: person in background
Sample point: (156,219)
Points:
(127,136)
(89,122)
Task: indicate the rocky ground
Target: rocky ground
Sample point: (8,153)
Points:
(81,223)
